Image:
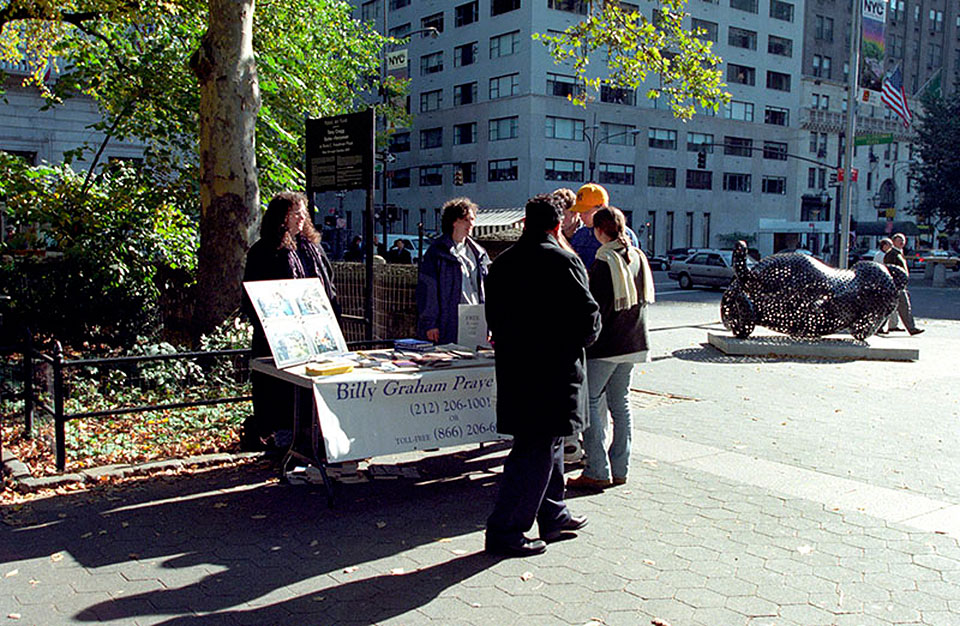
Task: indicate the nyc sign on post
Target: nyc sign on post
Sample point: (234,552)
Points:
(397,60)
(872,50)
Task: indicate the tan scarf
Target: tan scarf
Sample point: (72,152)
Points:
(623,275)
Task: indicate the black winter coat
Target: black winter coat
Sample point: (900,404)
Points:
(542,316)
(624,332)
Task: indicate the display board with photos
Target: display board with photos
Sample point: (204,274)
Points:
(297,319)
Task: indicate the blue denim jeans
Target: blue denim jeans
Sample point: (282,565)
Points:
(612,380)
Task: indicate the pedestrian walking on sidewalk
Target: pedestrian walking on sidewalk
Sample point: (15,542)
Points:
(540,369)
(903,311)
(622,284)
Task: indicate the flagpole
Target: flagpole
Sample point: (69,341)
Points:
(846,201)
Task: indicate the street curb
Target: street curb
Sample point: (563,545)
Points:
(23,481)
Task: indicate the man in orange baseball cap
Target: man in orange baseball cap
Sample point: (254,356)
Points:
(590,198)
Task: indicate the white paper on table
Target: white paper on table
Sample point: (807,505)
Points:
(472,326)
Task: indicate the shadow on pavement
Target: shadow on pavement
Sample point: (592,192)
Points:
(251,536)
(709,354)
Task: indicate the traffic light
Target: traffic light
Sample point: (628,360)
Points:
(702,159)
(458,176)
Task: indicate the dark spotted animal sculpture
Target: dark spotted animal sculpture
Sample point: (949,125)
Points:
(798,295)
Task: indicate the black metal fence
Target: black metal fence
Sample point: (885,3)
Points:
(42,382)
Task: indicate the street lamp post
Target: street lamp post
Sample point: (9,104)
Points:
(593,143)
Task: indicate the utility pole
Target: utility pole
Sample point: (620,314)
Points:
(846,200)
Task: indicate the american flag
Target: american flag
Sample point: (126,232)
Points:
(894,97)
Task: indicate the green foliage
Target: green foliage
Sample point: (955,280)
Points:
(107,241)
(938,167)
(636,47)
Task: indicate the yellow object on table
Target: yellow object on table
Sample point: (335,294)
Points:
(328,369)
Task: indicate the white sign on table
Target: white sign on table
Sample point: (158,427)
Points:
(472,326)
(364,415)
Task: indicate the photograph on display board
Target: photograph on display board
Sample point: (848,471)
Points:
(297,319)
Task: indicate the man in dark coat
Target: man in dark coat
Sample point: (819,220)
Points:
(452,273)
(542,317)
(904,311)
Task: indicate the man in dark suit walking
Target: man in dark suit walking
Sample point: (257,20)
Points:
(904,311)
(542,317)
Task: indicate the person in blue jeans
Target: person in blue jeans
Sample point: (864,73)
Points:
(622,284)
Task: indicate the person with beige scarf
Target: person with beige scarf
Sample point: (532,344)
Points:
(622,284)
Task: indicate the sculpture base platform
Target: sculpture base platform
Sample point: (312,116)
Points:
(830,347)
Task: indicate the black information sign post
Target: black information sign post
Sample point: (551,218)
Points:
(340,157)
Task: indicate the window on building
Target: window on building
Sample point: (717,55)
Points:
(561,85)
(811,178)
(688,229)
(696,141)
(400,142)
(780,46)
(934,55)
(781,10)
(400,179)
(370,11)
(499,7)
(895,45)
(775,150)
(564,128)
(468,171)
(736,182)
(505,44)
(662,138)
(738,110)
(778,81)
(570,6)
(464,133)
(431,63)
(432,21)
(827,67)
(503,128)
(618,134)
(699,179)
(823,28)
(738,146)
(465,54)
(616,174)
(431,175)
(774,184)
(503,86)
(464,94)
(431,100)
(818,144)
(936,20)
(466,14)
(710,30)
(618,95)
(742,38)
(749,6)
(401,31)
(431,138)
(741,74)
(502,169)
(777,116)
(661,177)
(563,169)
(398,4)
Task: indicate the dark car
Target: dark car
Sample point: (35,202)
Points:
(659,262)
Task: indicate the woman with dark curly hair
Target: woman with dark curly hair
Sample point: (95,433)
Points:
(289,247)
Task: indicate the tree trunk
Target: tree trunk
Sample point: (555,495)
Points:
(229,196)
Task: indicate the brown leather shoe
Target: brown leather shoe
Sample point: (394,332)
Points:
(618,480)
(586,483)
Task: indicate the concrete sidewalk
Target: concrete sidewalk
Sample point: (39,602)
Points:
(761,492)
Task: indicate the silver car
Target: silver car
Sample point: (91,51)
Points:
(713,268)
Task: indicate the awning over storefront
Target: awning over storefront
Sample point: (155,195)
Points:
(767,225)
(886,228)
(490,221)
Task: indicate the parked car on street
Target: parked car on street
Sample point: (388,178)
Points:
(678,254)
(659,262)
(713,268)
(918,260)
